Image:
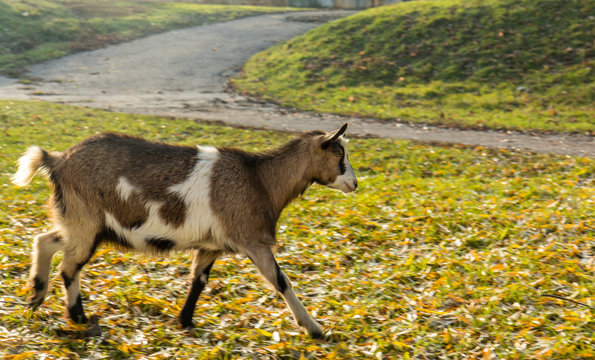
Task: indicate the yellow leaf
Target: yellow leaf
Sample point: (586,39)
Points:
(312,348)
(431,311)
(265,333)
(447,336)
(486,354)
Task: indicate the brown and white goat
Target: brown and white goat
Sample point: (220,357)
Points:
(150,196)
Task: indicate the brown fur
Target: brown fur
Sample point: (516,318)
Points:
(249,190)
(152,167)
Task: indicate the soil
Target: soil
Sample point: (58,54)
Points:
(183,73)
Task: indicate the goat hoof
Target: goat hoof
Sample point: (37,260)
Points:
(185,320)
(33,303)
(79,319)
(77,315)
(188,329)
(316,334)
(187,326)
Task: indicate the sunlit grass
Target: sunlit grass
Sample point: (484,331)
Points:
(443,252)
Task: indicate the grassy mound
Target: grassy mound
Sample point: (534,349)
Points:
(441,253)
(506,64)
(35,31)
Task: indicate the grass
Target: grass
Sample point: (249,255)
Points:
(442,253)
(498,64)
(35,31)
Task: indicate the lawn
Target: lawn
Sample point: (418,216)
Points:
(501,64)
(442,253)
(36,31)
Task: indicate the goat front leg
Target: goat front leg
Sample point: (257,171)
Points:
(201,267)
(266,264)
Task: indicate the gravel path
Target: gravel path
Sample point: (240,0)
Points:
(183,73)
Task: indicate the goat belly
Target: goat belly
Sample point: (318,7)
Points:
(155,235)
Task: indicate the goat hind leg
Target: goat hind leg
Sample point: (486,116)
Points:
(266,264)
(44,247)
(70,270)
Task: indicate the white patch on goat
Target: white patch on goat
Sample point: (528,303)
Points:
(208,153)
(346,182)
(200,221)
(133,237)
(196,193)
(203,278)
(125,188)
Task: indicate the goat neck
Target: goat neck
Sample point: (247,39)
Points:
(283,172)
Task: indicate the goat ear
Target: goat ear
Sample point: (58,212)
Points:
(333,136)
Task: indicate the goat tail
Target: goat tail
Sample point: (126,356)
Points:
(32,160)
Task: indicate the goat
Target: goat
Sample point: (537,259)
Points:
(155,197)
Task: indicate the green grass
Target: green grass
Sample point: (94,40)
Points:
(499,64)
(36,31)
(443,252)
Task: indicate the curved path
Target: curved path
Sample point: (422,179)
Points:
(183,73)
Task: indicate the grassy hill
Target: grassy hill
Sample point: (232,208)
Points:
(35,31)
(504,64)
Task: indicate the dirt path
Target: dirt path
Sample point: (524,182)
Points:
(183,73)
